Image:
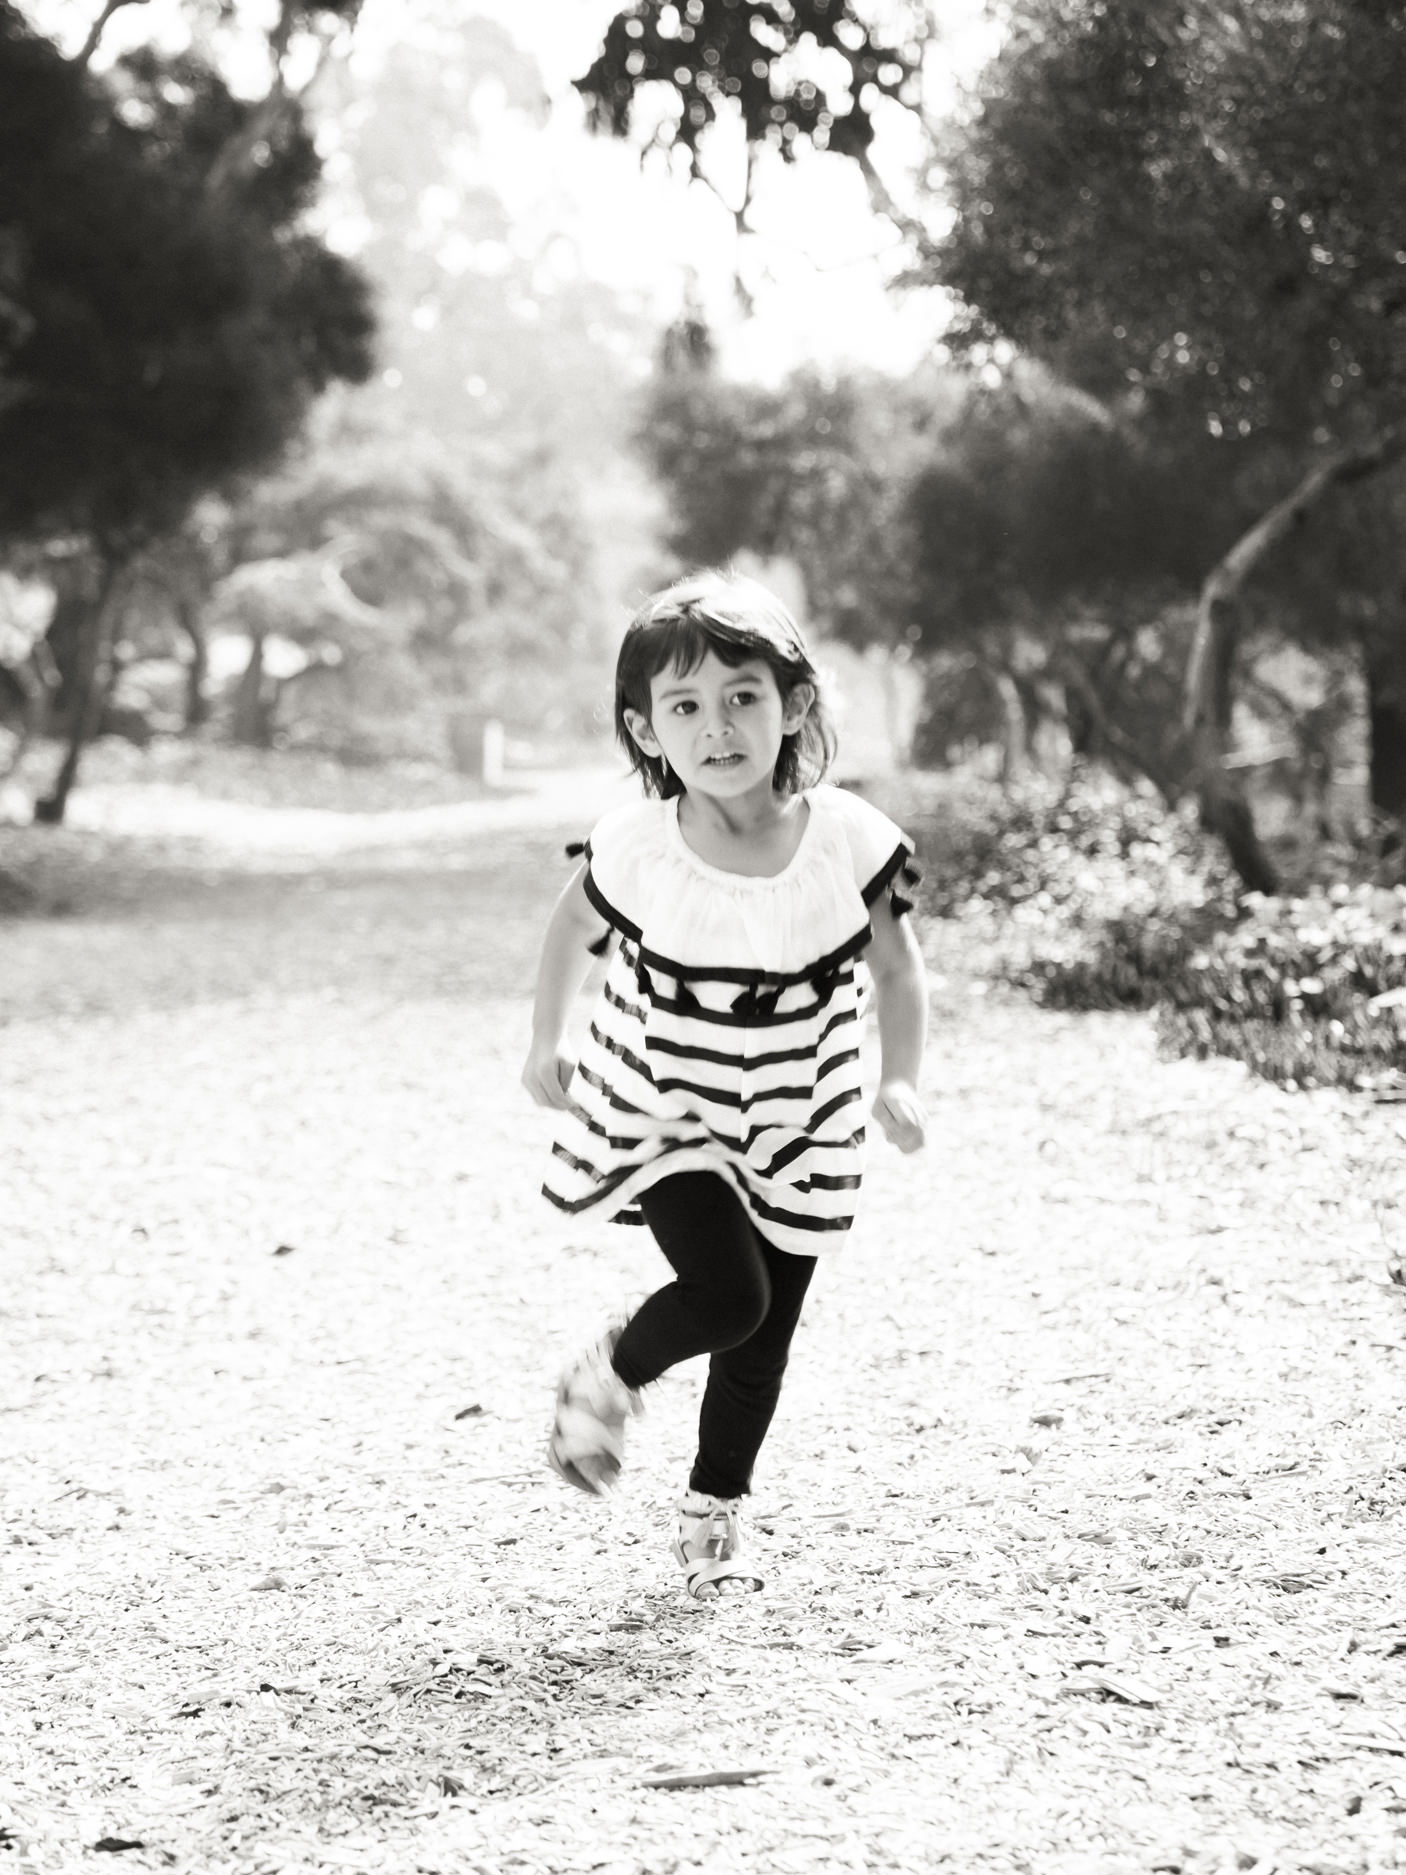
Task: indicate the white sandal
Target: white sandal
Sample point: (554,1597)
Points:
(709,1548)
(587,1443)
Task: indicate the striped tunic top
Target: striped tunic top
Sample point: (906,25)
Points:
(726,1035)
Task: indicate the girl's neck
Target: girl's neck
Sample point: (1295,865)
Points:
(756,836)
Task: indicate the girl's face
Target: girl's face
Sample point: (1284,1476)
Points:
(719,726)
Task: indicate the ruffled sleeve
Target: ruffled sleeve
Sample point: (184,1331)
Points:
(623,856)
(881,853)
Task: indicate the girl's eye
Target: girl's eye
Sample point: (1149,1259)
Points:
(685,707)
(744,697)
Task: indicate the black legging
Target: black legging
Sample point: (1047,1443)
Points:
(735,1297)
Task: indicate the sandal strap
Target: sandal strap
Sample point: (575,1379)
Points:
(707,1571)
(709,1546)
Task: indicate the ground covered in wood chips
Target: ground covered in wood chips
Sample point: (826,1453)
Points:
(1083,1515)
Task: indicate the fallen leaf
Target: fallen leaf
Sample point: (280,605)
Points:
(1115,1686)
(703,1780)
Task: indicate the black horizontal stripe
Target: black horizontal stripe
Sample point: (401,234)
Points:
(758,1097)
(609,1181)
(739,1147)
(755,1103)
(602,1086)
(848,1014)
(626,926)
(720,1096)
(635,1011)
(613,1046)
(745,1019)
(765,1209)
(603,1183)
(746,975)
(786,1154)
(890,869)
(835,1061)
(573,1207)
(725,1058)
(778,1214)
(845,1099)
(618,1142)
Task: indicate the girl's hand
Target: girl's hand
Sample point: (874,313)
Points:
(899,1112)
(548,1075)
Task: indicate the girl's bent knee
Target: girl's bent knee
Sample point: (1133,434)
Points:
(734,1315)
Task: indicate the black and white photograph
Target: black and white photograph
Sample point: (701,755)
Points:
(703,937)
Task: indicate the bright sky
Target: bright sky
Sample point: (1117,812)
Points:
(818,269)
(820,266)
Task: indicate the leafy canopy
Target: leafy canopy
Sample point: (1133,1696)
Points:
(157,337)
(793,71)
(1200,202)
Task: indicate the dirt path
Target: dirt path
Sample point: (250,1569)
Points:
(1084,1511)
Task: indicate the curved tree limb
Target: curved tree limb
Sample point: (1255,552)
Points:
(1222,585)
(1209,690)
(98,28)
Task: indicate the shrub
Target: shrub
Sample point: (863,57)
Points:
(1308,992)
(1096,899)
(1094,896)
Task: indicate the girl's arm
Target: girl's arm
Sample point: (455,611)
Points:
(566,959)
(901,995)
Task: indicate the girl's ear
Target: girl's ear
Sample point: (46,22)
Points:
(638,725)
(796,708)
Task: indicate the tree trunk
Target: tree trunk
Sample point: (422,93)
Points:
(1015,743)
(87,681)
(1209,692)
(252,721)
(1384,672)
(1096,736)
(197,702)
(30,696)
(74,590)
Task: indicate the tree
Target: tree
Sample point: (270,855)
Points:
(1195,207)
(816,469)
(1059,544)
(404,556)
(787,74)
(495,336)
(1022,530)
(167,320)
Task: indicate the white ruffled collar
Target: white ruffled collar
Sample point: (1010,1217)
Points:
(739,881)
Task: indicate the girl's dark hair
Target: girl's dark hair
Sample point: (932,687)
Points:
(736,619)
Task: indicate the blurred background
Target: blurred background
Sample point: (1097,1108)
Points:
(363,365)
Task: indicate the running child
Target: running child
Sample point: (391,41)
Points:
(717,1096)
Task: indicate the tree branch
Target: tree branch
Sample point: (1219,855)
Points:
(99,27)
(1223,583)
(882,202)
(1166,776)
(236,158)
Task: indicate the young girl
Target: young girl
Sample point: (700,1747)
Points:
(717,1096)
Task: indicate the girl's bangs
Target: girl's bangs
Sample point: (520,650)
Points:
(685,639)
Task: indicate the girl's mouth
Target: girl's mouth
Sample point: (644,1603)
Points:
(729,759)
